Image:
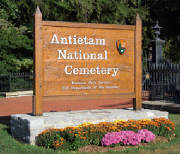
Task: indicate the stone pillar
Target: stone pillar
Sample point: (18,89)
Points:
(157,45)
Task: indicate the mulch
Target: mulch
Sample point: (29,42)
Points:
(95,148)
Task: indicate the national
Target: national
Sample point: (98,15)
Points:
(63,54)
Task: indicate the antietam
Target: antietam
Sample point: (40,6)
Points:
(63,54)
(74,40)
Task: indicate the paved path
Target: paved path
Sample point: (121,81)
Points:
(15,105)
(19,105)
(162,105)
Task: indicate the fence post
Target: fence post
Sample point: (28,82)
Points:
(137,101)
(38,74)
(157,46)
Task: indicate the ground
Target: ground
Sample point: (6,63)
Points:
(24,105)
(95,148)
(19,105)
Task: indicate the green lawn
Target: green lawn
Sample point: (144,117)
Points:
(9,145)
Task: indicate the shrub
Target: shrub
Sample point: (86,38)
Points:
(50,139)
(146,135)
(122,138)
(128,137)
(71,138)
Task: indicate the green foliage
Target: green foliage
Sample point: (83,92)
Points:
(60,140)
(72,138)
(15,45)
(171,48)
(167,13)
(47,140)
(16,23)
(9,145)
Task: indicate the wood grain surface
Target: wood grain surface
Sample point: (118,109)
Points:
(56,82)
(63,69)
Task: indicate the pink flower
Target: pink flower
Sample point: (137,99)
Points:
(127,137)
(146,135)
(123,137)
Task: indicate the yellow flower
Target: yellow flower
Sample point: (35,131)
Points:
(146,120)
(117,121)
(84,124)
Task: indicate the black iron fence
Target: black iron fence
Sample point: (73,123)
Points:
(16,82)
(161,82)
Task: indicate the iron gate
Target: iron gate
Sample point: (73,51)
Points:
(160,82)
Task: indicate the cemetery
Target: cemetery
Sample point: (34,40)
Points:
(92,90)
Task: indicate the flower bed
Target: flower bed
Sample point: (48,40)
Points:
(131,132)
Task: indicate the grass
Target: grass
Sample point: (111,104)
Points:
(8,145)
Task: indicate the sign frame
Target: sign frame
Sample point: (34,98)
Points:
(38,62)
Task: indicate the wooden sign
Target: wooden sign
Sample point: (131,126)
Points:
(82,60)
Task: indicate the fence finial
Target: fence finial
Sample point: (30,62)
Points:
(38,10)
(138,17)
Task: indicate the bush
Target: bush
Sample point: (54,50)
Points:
(127,138)
(122,138)
(146,135)
(50,139)
(72,138)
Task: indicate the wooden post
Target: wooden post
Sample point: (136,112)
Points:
(38,74)
(137,102)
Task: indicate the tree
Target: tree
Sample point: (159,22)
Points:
(15,45)
(167,13)
(16,23)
